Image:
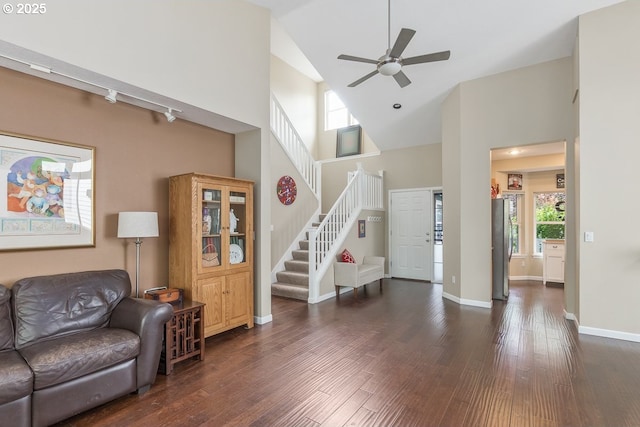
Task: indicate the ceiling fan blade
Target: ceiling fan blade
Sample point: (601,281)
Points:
(431,57)
(401,43)
(357,59)
(361,79)
(402,79)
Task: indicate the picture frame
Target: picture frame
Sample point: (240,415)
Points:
(514,181)
(47,194)
(349,141)
(361,228)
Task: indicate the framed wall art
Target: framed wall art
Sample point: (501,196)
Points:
(349,141)
(514,181)
(286,190)
(46,194)
(361,228)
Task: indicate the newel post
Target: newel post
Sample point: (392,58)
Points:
(314,288)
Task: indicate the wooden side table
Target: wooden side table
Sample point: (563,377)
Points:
(183,335)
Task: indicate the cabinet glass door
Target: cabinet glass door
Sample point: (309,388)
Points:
(212,248)
(237,227)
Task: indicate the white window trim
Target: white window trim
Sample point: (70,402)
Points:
(537,254)
(350,119)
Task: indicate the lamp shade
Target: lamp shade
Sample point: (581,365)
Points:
(137,224)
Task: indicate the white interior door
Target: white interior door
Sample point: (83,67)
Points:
(411,245)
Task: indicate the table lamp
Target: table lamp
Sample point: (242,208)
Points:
(137,225)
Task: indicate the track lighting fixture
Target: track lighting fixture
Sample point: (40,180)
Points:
(111,96)
(170,117)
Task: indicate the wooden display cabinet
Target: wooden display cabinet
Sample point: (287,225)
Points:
(211,247)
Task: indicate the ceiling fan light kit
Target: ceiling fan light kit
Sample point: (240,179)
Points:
(391,63)
(389,67)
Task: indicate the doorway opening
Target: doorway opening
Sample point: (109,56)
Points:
(522,175)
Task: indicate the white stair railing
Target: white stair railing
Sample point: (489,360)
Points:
(295,148)
(364,191)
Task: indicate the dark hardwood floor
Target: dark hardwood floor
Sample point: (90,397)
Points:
(403,358)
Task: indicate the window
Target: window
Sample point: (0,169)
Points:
(549,217)
(515,217)
(336,114)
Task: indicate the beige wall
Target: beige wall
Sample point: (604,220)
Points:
(415,167)
(288,221)
(452,191)
(136,152)
(609,127)
(524,106)
(297,94)
(182,63)
(173,48)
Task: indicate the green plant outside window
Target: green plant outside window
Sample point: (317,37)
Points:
(549,217)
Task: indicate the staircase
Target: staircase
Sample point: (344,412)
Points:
(293,281)
(301,278)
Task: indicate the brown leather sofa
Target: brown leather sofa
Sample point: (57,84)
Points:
(70,342)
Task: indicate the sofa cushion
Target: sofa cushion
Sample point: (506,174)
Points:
(6,324)
(16,379)
(367,273)
(72,356)
(47,307)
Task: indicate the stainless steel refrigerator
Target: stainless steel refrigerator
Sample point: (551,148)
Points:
(500,247)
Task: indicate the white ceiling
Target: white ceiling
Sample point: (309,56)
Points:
(532,150)
(484,37)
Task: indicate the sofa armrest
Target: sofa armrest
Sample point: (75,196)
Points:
(345,274)
(377,260)
(147,319)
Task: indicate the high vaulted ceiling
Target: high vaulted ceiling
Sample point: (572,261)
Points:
(484,37)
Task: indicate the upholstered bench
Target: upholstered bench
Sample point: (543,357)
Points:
(354,275)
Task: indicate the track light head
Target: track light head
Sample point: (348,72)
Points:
(170,117)
(111,96)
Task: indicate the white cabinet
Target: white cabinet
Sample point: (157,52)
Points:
(553,262)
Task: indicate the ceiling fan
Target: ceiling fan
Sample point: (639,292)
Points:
(391,63)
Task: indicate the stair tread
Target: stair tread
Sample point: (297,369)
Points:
(288,290)
(293,273)
(297,261)
(287,285)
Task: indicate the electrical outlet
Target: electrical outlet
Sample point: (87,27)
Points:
(522,263)
(453,279)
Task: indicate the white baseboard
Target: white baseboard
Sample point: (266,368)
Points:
(608,333)
(571,316)
(525,278)
(469,302)
(262,320)
(322,298)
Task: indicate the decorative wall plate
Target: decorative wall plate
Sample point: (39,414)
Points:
(287,190)
(236,255)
